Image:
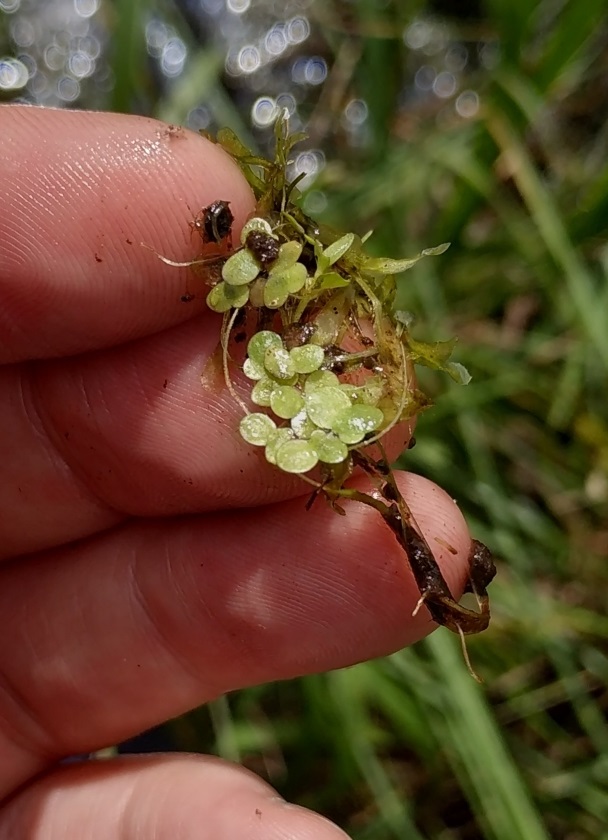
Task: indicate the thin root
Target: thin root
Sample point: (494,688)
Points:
(402,403)
(465,655)
(225,360)
(175,263)
(420,604)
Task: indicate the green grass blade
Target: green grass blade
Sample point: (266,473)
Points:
(347,690)
(128,54)
(578,280)
(498,791)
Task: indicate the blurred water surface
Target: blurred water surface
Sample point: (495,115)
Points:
(210,62)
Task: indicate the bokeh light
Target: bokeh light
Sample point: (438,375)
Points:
(86,8)
(13,74)
(298,30)
(173,57)
(275,58)
(444,85)
(467,104)
(248,59)
(356,112)
(264,112)
(238,7)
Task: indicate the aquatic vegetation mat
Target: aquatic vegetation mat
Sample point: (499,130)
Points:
(329,357)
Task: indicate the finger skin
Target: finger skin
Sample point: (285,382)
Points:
(166,797)
(81,192)
(112,635)
(131,431)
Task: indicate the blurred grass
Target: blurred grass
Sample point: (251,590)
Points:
(127,55)
(410,746)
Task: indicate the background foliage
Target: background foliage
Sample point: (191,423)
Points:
(483,124)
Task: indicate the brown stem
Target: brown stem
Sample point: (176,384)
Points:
(434,591)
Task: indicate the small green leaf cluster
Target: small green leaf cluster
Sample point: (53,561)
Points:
(317,416)
(245,280)
(329,360)
(291,274)
(330,357)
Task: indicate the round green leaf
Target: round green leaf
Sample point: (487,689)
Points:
(261,391)
(324,405)
(320,379)
(276,290)
(295,277)
(257,428)
(302,425)
(277,362)
(329,448)
(286,401)
(288,255)
(307,358)
(241,268)
(252,370)
(259,344)
(353,423)
(223,297)
(277,439)
(296,456)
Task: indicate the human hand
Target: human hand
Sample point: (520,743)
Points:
(152,561)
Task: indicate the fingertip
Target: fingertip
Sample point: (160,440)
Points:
(82,192)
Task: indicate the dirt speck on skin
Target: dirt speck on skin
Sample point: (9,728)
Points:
(173,132)
(98,258)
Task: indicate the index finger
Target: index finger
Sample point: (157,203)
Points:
(81,192)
